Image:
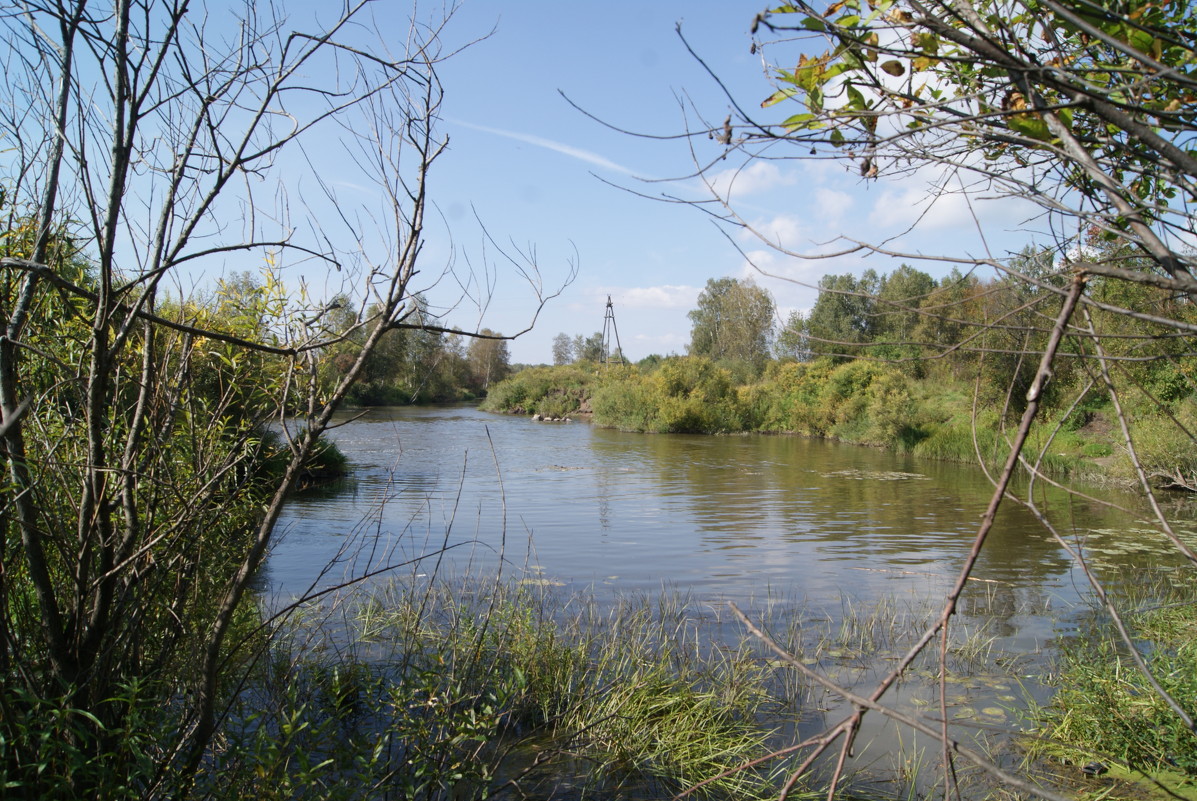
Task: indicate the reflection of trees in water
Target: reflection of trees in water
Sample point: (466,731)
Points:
(815,515)
(885,524)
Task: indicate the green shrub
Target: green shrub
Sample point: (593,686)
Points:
(684,395)
(558,404)
(626,404)
(794,391)
(1162,442)
(694,396)
(570,384)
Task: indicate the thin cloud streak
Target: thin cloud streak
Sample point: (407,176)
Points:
(549,144)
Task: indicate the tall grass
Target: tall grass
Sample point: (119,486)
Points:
(418,691)
(1104,707)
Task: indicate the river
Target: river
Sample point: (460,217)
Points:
(760,520)
(727,517)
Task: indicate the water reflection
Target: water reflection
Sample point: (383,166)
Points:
(724,517)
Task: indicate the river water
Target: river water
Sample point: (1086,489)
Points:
(722,517)
(454,491)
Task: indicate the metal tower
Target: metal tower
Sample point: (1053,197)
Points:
(609,331)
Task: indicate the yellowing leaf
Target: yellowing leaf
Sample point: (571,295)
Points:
(777,97)
(893,67)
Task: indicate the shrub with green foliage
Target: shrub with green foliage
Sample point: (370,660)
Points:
(685,395)
(551,391)
(858,401)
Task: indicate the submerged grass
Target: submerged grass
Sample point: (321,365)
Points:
(432,690)
(440,691)
(1105,714)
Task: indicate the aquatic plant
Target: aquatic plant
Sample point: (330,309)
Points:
(1105,708)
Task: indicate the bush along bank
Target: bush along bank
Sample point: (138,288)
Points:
(860,401)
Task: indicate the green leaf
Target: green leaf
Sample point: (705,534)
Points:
(851,60)
(785,93)
(814,100)
(1142,41)
(1029,126)
(804,120)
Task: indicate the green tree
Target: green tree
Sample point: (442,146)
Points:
(900,297)
(563,349)
(733,323)
(489,360)
(897,313)
(792,339)
(135,506)
(949,321)
(1094,99)
(588,349)
(843,317)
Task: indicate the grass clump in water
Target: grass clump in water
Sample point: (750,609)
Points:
(467,690)
(1105,708)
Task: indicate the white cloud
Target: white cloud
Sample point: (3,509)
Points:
(751,179)
(787,237)
(785,231)
(782,274)
(831,205)
(932,200)
(921,206)
(667,296)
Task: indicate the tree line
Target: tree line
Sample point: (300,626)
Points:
(960,325)
(150,438)
(421,364)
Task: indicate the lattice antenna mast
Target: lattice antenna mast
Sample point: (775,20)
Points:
(610,330)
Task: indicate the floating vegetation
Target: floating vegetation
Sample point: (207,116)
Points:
(856,474)
(1111,548)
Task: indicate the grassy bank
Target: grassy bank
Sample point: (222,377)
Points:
(860,402)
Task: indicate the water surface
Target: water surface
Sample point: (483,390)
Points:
(722,517)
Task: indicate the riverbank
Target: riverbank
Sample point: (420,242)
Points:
(862,403)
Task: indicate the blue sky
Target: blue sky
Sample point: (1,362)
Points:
(545,178)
